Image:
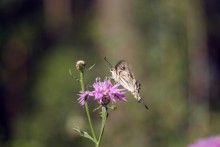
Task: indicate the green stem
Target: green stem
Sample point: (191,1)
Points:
(86,106)
(104,116)
(82,81)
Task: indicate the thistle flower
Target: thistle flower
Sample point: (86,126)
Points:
(104,92)
(207,142)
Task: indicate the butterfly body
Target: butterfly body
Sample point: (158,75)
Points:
(122,74)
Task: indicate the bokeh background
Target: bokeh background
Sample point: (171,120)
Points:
(173,47)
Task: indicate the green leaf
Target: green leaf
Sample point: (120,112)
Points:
(90,67)
(84,134)
(113,107)
(96,109)
(70,72)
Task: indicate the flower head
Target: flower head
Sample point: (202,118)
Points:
(207,142)
(104,92)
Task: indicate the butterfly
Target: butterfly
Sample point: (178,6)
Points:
(123,75)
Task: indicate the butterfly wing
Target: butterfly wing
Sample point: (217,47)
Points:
(123,75)
(124,66)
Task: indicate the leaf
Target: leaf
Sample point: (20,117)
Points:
(113,107)
(70,72)
(84,134)
(96,109)
(90,67)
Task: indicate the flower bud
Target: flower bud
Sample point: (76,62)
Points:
(80,65)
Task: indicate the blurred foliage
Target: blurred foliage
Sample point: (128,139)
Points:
(159,38)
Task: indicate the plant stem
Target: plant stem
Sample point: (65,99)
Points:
(104,116)
(82,81)
(86,105)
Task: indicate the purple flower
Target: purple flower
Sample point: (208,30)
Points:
(213,141)
(106,91)
(103,92)
(84,96)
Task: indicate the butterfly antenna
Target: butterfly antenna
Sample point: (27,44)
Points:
(143,103)
(108,62)
(145,106)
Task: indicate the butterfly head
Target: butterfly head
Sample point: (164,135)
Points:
(114,74)
(112,70)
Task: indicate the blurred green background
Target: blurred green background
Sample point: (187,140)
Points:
(173,47)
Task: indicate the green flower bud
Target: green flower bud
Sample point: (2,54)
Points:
(80,65)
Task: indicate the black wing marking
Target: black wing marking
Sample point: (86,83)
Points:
(122,65)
